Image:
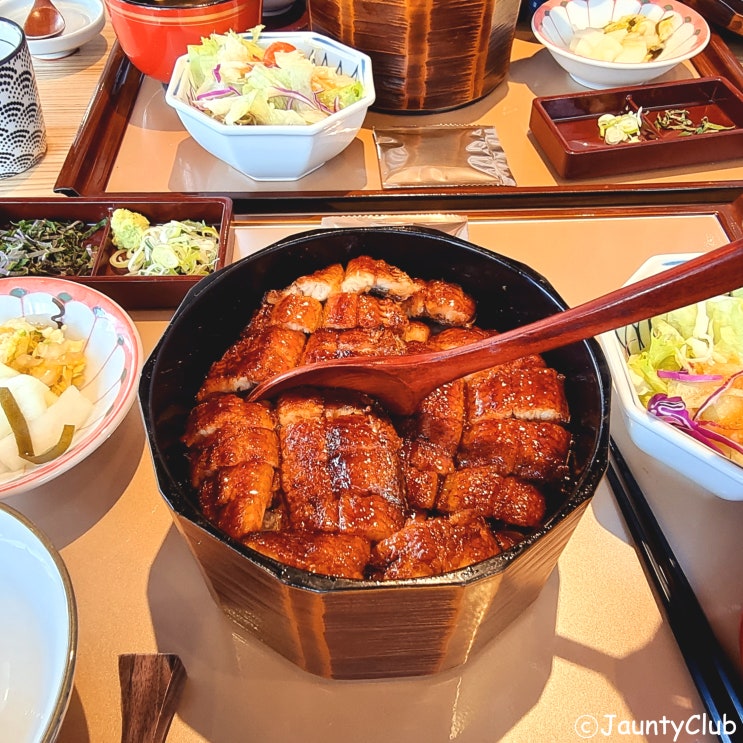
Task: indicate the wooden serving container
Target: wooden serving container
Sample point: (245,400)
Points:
(131,292)
(566,128)
(348,629)
(427,55)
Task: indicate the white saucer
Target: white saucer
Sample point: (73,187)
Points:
(84,19)
(38,633)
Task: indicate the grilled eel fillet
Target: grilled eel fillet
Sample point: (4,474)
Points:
(327,482)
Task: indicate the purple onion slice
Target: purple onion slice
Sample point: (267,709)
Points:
(673,410)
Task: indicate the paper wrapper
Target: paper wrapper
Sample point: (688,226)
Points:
(452,224)
(444,154)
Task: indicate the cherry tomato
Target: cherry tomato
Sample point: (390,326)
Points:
(269,56)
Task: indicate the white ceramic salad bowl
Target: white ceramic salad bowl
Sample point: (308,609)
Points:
(279,152)
(113,356)
(666,443)
(555,23)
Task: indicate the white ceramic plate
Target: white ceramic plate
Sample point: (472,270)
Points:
(38,633)
(84,19)
(667,444)
(113,352)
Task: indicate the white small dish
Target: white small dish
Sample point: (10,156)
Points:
(38,633)
(84,20)
(555,22)
(690,458)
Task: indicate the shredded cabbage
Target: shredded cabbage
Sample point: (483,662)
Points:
(694,358)
(233,83)
(42,352)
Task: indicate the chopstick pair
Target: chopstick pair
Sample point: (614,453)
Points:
(716,679)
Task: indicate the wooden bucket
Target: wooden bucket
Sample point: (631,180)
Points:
(427,55)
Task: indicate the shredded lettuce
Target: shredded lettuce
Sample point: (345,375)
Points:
(704,344)
(233,83)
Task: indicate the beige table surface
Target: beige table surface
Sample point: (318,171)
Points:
(593,644)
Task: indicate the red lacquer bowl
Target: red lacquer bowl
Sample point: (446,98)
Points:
(154,34)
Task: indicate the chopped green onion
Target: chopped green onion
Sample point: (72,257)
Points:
(177,248)
(622,128)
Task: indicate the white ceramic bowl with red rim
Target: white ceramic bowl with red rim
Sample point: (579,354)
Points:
(113,353)
(687,456)
(280,153)
(556,21)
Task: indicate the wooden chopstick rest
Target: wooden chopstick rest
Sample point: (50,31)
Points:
(151,686)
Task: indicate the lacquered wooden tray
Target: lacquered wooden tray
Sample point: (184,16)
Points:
(727,14)
(351,183)
(566,127)
(131,292)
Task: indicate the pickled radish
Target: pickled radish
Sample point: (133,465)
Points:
(71,408)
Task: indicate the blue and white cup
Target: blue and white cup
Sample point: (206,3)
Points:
(22,129)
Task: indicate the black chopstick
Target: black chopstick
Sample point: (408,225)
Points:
(716,679)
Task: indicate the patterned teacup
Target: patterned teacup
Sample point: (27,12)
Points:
(22,130)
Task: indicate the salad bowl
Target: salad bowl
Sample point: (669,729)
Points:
(668,444)
(279,152)
(556,23)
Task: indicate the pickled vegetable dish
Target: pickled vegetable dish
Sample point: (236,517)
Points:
(41,406)
(48,247)
(630,39)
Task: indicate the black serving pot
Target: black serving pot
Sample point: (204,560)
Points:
(341,628)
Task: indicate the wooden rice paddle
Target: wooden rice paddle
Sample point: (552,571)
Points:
(401,382)
(151,686)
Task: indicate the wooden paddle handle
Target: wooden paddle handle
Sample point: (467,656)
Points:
(151,686)
(695,280)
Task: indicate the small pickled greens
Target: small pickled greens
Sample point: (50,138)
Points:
(678,119)
(47,247)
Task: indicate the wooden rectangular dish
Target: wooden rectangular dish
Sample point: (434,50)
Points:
(131,292)
(566,127)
